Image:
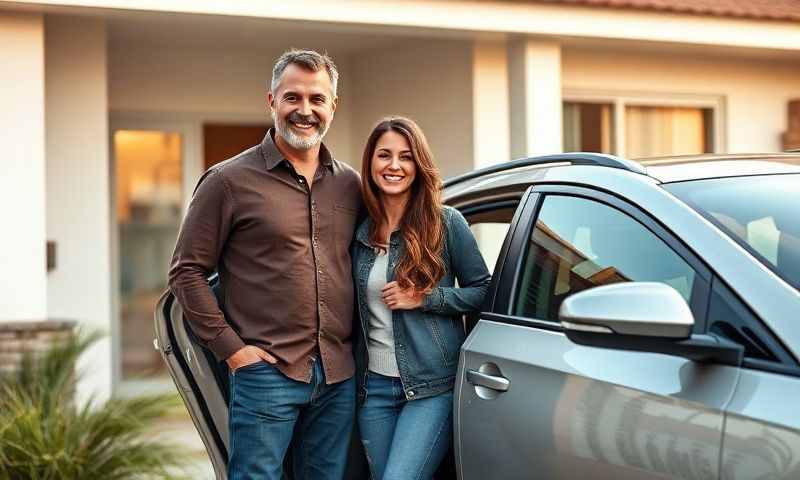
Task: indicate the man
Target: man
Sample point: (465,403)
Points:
(276,222)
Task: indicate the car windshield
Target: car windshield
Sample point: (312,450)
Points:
(762,213)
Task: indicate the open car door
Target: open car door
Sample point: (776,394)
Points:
(202,382)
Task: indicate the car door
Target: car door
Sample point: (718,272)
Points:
(202,383)
(762,428)
(531,404)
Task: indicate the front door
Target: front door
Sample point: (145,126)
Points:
(531,404)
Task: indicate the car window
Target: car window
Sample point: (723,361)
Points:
(759,212)
(578,243)
(490,229)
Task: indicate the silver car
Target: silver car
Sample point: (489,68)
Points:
(643,322)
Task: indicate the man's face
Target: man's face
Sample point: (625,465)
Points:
(302,106)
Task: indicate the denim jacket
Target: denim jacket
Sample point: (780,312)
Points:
(427,339)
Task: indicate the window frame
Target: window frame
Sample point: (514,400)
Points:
(508,286)
(619,100)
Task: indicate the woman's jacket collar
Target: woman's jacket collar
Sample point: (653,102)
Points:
(362,234)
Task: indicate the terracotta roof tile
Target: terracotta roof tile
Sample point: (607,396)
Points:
(760,9)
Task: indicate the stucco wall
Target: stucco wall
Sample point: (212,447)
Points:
(212,85)
(22,183)
(431,83)
(755,92)
(78,178)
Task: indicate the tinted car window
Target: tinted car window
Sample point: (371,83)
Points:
(759,212)
(579,243)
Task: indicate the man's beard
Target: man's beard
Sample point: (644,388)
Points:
(283,129)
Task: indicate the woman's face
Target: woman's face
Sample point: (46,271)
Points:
(393,166)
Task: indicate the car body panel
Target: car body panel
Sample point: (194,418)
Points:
(762,429)
(573,411)
(697,167)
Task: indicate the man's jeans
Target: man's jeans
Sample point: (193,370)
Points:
(266,407)
(404,440)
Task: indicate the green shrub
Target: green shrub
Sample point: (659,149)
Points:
(45,435)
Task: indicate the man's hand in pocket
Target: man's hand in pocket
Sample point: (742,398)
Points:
(248,355)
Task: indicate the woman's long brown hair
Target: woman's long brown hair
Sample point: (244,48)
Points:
(421,266)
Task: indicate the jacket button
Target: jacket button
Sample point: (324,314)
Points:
(411,393)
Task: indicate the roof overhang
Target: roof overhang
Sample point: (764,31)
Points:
(506,18)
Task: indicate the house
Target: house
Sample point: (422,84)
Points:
(111,109)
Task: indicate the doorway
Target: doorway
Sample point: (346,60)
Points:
(155,167)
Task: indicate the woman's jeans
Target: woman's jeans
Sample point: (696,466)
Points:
(267,409)
(404,440)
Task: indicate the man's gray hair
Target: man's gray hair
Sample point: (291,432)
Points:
(308,59)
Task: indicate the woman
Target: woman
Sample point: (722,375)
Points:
(407,255)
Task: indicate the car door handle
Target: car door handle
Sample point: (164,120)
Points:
(489,381)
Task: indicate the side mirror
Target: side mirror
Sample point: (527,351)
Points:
(642,317)
(645,309)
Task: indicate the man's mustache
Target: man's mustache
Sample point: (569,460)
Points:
(295,117)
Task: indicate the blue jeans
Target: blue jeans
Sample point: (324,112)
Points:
(403,440)
(266,408)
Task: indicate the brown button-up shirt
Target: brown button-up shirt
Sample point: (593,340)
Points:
(281,250)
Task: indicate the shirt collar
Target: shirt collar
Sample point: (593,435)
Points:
(273,157)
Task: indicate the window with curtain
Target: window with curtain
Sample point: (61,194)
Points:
(643,130)
(588,127)
(659,131)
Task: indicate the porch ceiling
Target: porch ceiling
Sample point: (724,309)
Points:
(227,32)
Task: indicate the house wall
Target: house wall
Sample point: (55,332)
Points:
(22,184)
(755,92)
(225,85)
(432,84)
(78,176)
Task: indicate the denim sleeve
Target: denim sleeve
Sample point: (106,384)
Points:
(469,269)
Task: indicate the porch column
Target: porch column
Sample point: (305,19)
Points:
(490,127)
(490,100)
(78,192)
(23,281)
(535,78)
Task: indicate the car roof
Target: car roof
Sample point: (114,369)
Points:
(516,175)
(697,167)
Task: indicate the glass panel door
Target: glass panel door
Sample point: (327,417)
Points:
(148,179)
